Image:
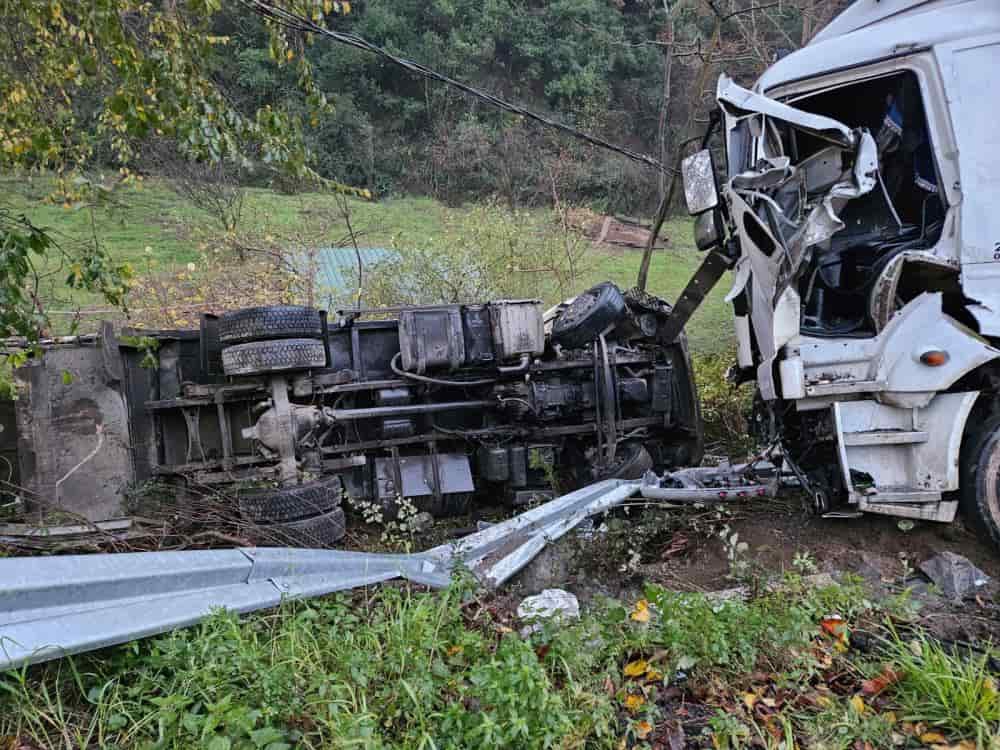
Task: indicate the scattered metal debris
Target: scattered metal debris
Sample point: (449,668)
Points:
(711,484)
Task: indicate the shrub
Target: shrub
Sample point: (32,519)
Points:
(725,408)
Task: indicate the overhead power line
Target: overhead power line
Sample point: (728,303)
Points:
(296,22)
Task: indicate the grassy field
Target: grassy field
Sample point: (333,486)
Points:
(153,228)
(396,668)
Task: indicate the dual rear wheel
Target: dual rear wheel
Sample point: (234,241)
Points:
(277,339)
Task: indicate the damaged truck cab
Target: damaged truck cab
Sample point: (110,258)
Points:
(859,214)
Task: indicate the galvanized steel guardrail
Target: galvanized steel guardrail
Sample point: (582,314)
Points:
(55,606)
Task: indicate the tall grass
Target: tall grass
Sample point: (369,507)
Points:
(955,690)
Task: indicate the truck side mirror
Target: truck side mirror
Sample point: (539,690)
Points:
(698,172)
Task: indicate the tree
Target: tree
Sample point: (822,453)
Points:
(87,82)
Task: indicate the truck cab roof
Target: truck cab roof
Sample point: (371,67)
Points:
(871,30)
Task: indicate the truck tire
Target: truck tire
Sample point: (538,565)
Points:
(281,504)
(271,322)
(632,461)
(316,532)
(979,492)
(258,357)
(588,315)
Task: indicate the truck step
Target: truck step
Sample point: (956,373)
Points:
(885,437)
(903,495)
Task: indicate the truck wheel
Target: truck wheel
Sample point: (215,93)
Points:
(588,315)
(280,504)
(271,322)
(316,532)
(258,357)
(980,480)
(632,461)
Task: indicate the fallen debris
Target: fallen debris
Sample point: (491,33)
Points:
(551,604)
(624,231)
(955,575)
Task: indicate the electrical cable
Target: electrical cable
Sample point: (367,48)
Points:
(294,22)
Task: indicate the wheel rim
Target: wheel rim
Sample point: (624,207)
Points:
(991,486)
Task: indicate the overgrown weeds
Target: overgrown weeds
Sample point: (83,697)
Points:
(948,688)
(404,669)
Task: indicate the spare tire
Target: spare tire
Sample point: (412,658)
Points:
(279,504)
(315,532)
(270,322)
(632,461)
(589,315)
(258,357)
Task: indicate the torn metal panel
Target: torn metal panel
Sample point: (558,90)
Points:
(54,606)
(738,101)
(73,432)
(779,220)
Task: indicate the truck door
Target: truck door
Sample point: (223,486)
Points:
(970,71)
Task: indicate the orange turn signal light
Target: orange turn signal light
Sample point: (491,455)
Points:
(934,358)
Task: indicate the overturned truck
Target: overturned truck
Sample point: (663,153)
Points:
(287,412)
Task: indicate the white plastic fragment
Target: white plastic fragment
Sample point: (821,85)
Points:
(551,604)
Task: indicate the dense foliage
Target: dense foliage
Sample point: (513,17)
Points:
(103,92)
(625,70)
(87,84)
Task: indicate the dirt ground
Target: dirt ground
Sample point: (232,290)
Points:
(872,547)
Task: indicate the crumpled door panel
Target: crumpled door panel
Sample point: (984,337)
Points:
(781,210)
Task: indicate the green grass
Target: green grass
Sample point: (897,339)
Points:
(176,233)
(396,668)
(400,670)
(939,687)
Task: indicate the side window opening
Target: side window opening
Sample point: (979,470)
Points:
(904,212)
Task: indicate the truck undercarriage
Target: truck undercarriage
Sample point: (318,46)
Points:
(289,412)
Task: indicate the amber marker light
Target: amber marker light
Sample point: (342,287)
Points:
(934,357)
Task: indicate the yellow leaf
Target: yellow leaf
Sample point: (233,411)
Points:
(653,674)
(933,738)
(634,702)
(858,704)
(289,55)
(636,668)
(643,729)
(454,650)
(641,611)
(750,700)
(345,7)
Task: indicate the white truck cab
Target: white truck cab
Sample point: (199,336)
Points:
(861,201)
